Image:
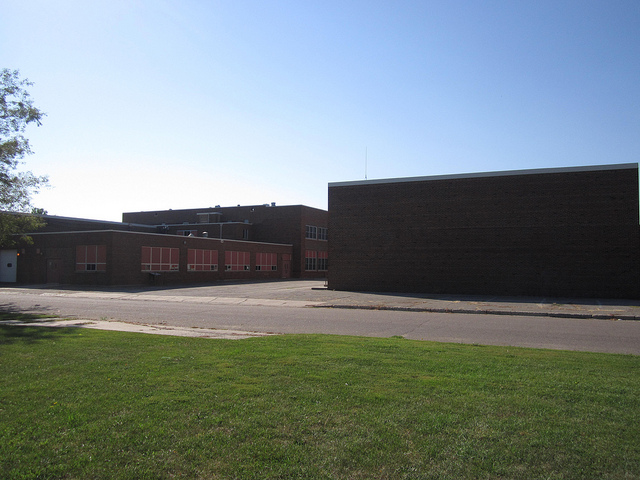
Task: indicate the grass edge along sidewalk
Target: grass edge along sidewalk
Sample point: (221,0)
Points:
(81,403)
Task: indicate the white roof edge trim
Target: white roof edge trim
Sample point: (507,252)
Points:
(504,173)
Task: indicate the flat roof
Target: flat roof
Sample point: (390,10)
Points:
(127,232)
(216,210)
(535,171)
(81,220)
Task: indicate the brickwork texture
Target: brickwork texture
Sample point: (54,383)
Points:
(565,232)
(124,258)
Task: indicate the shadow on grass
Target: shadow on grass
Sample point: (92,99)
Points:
(26,334)
(10,333)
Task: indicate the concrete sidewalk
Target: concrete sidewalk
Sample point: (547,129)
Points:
(312,293)
(115,326)
(537,307)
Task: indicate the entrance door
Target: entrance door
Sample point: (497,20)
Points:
(54,266)
(286,266)
(8,265)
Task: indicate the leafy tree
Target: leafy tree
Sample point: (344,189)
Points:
(16,187)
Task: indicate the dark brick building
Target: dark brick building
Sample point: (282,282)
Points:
(305,228)
(115,257)
(552,232)
(174,246)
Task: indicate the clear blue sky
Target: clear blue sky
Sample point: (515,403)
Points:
(157,104)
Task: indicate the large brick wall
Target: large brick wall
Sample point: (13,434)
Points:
(558,232)
(124,257)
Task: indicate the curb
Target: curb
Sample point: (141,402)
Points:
(596,316)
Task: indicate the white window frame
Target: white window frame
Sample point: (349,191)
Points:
(311,232)
(310,261)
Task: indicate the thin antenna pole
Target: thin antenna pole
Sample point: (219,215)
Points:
(365,162)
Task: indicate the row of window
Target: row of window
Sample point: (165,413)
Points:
(93,258)
(160,259)
(202,260)
(316,233)
(316,260)
(267,261)
(237,262)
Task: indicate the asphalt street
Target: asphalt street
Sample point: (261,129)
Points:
(305,307)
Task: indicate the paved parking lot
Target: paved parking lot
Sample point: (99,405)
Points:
(314,293)
(239,309)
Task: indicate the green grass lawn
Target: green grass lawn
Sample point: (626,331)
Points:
(78,403)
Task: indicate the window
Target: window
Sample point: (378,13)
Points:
(236,261)
(322,233)
(266,261)
(311,232)
(310,260)
(160,259)
(202,260)
(323,261)
(245,234)
(91,258)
